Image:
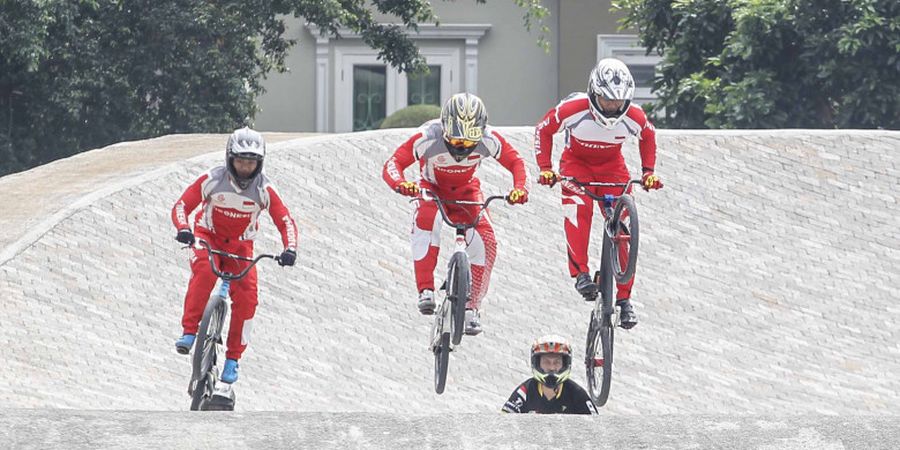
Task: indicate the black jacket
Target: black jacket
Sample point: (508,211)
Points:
(571,399)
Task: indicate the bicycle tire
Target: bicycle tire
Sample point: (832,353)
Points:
(624,234)
(599,372)
(459,280)
(209,336)
(441,362)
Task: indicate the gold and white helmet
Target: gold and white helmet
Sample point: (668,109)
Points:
(463,119)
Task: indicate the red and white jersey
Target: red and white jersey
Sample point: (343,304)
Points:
(437,165)
(229,212)
(590,143)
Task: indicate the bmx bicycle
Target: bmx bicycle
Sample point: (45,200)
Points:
(447,329)
(618,261)
(209,344)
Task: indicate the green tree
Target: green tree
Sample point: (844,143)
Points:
(81,74)
(773,63)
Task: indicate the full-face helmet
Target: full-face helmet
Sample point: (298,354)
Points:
(611,81)
(551,344)
(463,119)
(245,143)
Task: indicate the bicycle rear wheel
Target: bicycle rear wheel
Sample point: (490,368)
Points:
(599,357)
(459,280)
(440,346)
(209,337)
(624,233)
(441,362)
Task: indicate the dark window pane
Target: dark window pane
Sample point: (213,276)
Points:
(424,89)
(643,75)
(369,92)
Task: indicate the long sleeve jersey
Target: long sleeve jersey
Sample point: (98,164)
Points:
(439,168)
(230,212)
(590,143)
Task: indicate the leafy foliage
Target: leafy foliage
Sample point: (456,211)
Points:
(773,63)
(81,74)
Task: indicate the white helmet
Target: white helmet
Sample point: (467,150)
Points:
(245,143)
(556,345)
(610,80)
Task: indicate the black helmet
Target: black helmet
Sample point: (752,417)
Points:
(463,119)
(245,144)
(551,344)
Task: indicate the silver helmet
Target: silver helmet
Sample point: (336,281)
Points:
(610,80)
(245,143)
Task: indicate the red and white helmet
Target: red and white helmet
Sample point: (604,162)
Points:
(610,80)
(551,344)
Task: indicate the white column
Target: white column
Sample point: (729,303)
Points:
(322,84)
(472,65)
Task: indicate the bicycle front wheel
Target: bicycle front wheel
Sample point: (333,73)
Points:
(623,232)
(209,337)
(599,357)
(459,281)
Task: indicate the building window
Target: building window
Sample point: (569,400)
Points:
(451,51)
(626,48)
(424,89)
(369,96)
(367,90)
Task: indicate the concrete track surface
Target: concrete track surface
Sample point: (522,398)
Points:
(767,286)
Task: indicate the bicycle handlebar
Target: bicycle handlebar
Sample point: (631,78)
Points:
(584,184)
(226,275)
(429,195)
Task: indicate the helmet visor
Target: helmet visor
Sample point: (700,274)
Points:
(462,143)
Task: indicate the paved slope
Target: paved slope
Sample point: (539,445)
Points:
(141,429)
(767,284)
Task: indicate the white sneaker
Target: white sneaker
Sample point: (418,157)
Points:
(473,322)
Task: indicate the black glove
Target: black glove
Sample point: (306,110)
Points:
(185,237)
(287,258)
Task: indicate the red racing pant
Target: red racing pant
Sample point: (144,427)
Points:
(578,209)
(243,292)
(426,238)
